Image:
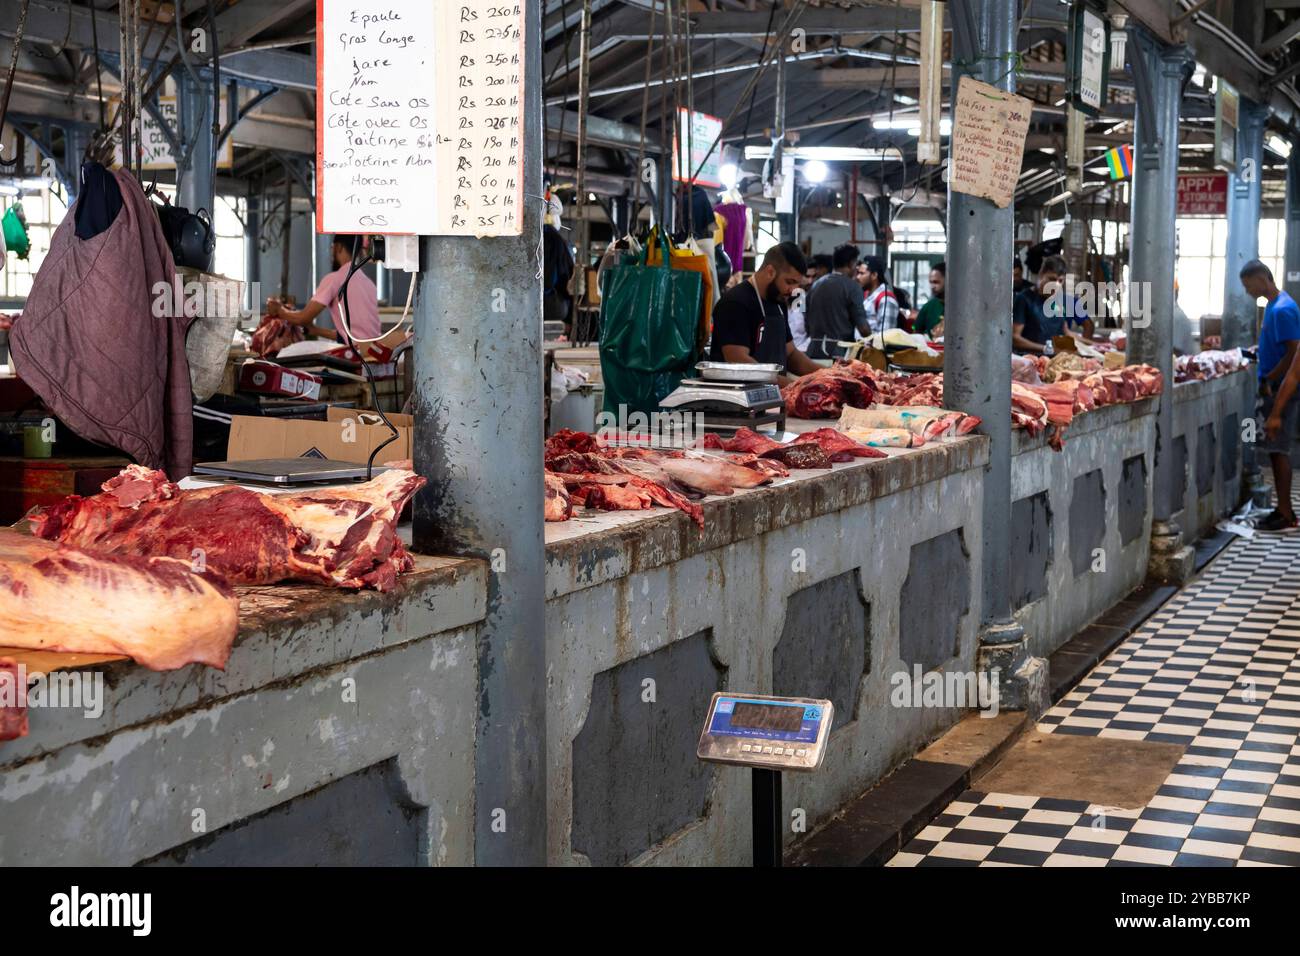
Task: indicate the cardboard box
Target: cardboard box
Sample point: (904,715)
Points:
(271,379)
(348,435)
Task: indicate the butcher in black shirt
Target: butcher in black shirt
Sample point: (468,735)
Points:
(749,321)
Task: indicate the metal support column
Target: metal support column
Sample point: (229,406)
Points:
(1154,209)
(196,187)
(478,438)
(977,363)
(978,358)
(253,251)
(75,139)
(788,222)
(1239,309)
(1291,277)
(882,212)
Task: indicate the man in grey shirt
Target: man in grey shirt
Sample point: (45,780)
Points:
(834,308)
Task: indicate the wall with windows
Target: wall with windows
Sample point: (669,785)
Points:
(44,211)
(1202,266)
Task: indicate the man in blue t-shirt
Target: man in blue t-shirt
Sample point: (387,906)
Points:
(1044,310)
(1277,407)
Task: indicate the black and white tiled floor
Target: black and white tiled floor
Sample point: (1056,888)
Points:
(1216,669)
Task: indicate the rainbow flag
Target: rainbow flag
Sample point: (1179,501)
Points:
(1120,162)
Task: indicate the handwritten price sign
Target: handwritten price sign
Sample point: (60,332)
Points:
(988,141)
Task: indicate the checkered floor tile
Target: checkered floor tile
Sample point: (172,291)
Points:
(1217,669)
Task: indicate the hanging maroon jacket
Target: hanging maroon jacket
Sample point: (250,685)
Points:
(89,343)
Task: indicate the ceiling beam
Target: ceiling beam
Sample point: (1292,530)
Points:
(1280,39)
(820,21)
(50,24)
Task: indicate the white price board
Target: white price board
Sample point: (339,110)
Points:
(419,117)
(1092,59)
(702,132)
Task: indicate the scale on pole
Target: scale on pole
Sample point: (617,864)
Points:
(769,735)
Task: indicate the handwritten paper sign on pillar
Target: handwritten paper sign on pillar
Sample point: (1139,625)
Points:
(419,117)
(988,141)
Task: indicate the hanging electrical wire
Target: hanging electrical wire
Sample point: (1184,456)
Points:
(641,179)
(778,49)
(9,80)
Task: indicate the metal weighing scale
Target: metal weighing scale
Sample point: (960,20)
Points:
(285,471)
(769,735)
(731,395)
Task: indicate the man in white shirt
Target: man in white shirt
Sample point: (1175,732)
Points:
(878,299)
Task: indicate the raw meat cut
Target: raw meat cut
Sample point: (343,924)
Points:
(1028,410)
(152,609)
(1206,365)
(825,392)
(924,421)
(837,445)
(1063,363)
(13,716)
(885,437)
(748,440)
(1060,402)
(273,334)
(716,476)
(768,465)
(805,455)
(558,506)
(625,477)
(346,537)
(582,486)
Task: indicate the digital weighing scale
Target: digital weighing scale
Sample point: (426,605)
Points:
(770,735)
(285,471)
(730,396)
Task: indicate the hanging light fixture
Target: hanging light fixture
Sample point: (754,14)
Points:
(1118,40)
(815,171)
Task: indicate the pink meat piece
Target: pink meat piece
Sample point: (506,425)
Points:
(344,537)
(558,505)
(837,445)
(1059,400)
(273,334)
(154,609)
(748,440)
(824,393)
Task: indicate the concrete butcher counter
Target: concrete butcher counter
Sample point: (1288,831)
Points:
(1080,520)
(341,731)
(821,585)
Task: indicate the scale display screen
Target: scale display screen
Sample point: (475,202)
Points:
(762,731)
(752,715)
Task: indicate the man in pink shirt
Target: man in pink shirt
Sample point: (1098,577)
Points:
(363,299)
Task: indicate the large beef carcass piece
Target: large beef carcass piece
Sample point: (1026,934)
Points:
(345,537)
(825,392)
(153,609)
